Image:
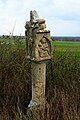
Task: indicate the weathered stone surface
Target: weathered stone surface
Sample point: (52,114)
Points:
(38,83)
(37,39)
(38,50)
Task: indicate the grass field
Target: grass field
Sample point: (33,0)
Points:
(64,46)
(62,83)
(67,48)
(14,43)
(58,46)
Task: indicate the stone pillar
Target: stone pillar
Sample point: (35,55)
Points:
(38,76)
(38,51)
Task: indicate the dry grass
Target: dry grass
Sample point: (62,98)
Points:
(62,87)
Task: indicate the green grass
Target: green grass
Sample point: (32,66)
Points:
(10,39)
(58,46)
(13,43)
(64,46)
(67,48)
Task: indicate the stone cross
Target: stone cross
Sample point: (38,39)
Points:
(38,43)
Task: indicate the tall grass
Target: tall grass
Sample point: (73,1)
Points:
(14,80)
(62,86)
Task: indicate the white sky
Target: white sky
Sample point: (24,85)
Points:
(62,16)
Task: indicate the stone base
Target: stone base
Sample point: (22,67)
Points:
(39,112)
(34,104)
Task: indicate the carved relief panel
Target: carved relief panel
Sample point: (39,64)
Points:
(43,46)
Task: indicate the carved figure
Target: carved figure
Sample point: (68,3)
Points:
(43,48)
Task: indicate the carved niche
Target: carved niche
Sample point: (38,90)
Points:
(43,48)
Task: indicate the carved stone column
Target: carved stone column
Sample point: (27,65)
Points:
(38,83)
(38,51)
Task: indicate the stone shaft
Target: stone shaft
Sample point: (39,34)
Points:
(38,83)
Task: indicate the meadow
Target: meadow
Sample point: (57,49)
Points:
(72,48)
(62,82)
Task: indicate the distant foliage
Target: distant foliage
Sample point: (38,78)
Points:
(65,38)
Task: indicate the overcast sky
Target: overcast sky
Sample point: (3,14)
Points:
(62,16)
